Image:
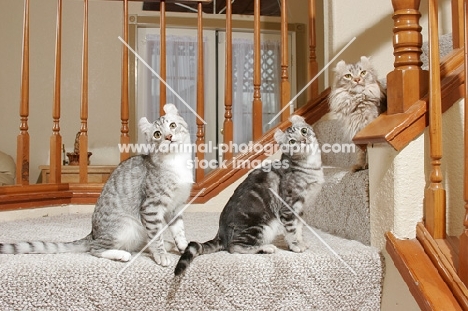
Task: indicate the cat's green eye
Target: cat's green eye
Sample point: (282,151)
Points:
(348,76)
(304,131)
(157,135)
(292,141)
(173,125)
(363,73)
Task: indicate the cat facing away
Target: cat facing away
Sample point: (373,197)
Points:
(356,99)
(254,215)
(142,193)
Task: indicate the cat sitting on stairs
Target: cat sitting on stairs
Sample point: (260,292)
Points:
(141,194)
(356,99)
(266,203)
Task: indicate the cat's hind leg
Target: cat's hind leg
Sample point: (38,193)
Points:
(113,254)
(251,240)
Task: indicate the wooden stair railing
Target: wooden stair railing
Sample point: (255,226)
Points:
(445,258)
(463,251)
(434,213)
(25,195)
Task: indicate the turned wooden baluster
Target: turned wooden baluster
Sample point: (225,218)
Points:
(124,108)
(313,64)
(56,138)
(257,109)
(83,139)
(22,143)
(199,173)
(457,23)
(228,126)
(162,60)
(435,193)
(407,83)
(285,85)
(463,250)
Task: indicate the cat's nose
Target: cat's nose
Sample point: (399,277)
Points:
(357,80)
(169,137)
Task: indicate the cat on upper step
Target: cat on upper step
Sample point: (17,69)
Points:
(142,193)
(268,201)
(357,97)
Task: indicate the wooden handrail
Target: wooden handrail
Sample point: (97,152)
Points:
(22,152)
(79,192)
(162,58)
(407,42)
(285,84)
(56,138)
(463,248)
(435,194)
(228,126)
(313,64)
(200,172)
(83,138)
(124,106)
(257,110)
(457,23)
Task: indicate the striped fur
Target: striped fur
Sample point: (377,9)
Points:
(356,99)
(142,194)
(254,215)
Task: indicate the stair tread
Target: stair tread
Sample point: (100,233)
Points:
(315,278)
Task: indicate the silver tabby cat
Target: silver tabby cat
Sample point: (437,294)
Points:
(254,215)
(141,194)
(356,99)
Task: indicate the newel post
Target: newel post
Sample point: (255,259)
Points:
(407,83)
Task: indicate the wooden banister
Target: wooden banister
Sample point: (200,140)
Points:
(407,42)
(162,59)
(257,109)
(463,247)
(435,194)
(124,107)
(313,64)
(83,138)
(228,126)
(285,85)
(200,173)
(56,138)
(22,152)
(457,23)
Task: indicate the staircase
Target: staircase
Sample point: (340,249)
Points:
(347,277)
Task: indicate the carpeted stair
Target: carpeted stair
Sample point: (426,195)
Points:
(313,280)
(347,277)
(342,206)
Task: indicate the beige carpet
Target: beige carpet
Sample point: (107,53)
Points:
(314,280)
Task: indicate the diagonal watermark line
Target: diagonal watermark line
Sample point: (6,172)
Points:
(315,233)
(313,79)
(160,232)
(162,80)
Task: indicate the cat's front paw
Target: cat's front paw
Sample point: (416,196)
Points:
(268,249)
(162,259)
(298,247)
(181,246)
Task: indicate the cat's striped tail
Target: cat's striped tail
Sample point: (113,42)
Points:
(40,247)
(195,249)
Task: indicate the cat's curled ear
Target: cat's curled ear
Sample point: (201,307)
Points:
(365,62)
(279,136)
(170,109)
(296,119)
(341,66)
(145,126)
